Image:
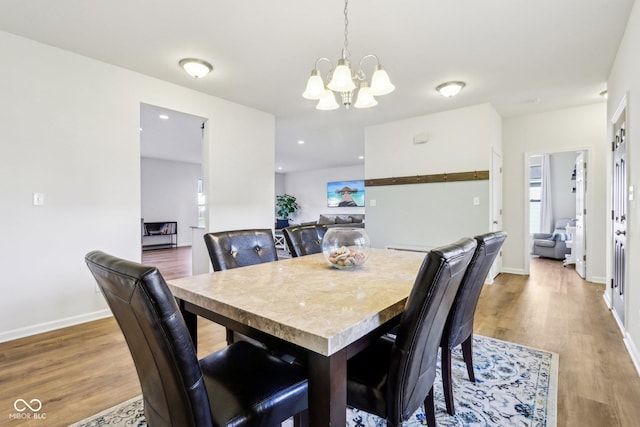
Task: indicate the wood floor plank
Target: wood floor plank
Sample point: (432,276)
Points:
(84,369)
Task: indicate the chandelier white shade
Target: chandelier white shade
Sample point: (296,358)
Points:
(450,89)
(365,97)
(196,68)
(315,86)
(327,101)
(342,80)
(380,83)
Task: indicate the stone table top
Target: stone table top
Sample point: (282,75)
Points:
(305,301)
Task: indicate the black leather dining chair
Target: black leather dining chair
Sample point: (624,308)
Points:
(459,327)
(239,248)
(240,385)
(392,378)
(304,239)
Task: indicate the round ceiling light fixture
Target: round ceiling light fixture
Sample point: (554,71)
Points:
(196,68)
(450,89)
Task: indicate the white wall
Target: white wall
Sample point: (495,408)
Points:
(459,141)
(569,129)
(69,128)
(280,179)
(168,193)
(310,190)
(430,214)
(623,79)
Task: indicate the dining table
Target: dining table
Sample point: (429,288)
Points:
(315,314)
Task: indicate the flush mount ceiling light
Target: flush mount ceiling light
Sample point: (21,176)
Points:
(197,68)
(450,89)
(343,81)
(604,94)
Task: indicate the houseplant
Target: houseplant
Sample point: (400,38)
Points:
(286,205)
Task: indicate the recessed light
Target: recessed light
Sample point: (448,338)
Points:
(164,117)
(279,168)
(300,142)
(361,157)
(140,129)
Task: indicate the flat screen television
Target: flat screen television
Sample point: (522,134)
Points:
(345,193)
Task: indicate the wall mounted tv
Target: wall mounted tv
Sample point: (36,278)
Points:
(345,193)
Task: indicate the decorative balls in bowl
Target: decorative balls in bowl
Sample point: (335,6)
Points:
(345,248)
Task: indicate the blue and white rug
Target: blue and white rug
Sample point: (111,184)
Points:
(515,386)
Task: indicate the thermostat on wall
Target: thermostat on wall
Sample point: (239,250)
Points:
(420,138)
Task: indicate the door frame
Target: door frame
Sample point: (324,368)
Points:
(525,191)
(495,224)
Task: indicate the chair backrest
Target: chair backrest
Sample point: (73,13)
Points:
(239,248)
(459,324)
(172,383)
(304,239)
(414,354)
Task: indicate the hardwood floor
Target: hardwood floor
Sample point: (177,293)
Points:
(81,370)
(172,263)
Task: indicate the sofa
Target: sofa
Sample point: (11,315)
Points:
(343,220)
(553,245)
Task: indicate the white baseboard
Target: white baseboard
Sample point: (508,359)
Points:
(632,349)
(633,352)
(56,324)
(519,271)
(618,322)
(598,279)
(607,299)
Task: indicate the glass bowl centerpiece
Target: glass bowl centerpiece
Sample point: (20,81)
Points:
(345,248)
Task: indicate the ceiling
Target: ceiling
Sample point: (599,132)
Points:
(521,56)
(170,135)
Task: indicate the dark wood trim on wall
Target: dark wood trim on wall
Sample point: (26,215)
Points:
(426,179)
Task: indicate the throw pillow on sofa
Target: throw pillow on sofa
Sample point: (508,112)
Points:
(343,220)
(323,220)
(357,218)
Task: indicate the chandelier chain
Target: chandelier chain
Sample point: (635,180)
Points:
(345,51)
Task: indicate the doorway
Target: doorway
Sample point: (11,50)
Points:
(171,152)
(556,189)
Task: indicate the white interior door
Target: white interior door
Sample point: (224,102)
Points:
(578,247)
(619,223)
(496,207)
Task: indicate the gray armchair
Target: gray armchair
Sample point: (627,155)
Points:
(553,245)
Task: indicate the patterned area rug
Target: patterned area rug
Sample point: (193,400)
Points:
(515,386)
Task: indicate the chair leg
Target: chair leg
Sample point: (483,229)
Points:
(467,354)
(447,386)
(430,409)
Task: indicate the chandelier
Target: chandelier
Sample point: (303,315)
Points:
(343,81)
